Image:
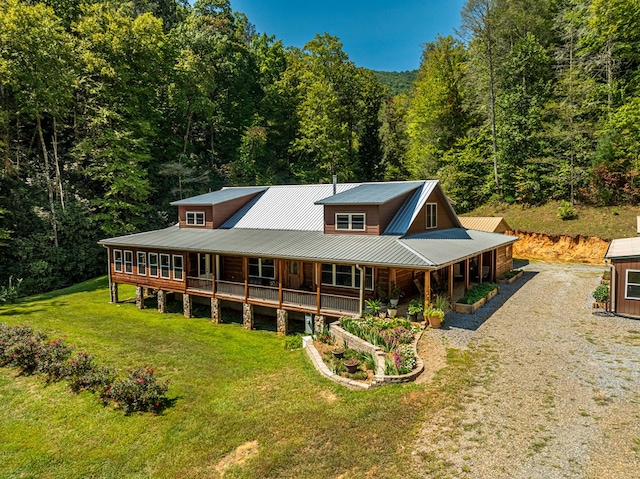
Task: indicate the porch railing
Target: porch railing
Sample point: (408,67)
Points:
(229,288)
(265,293)
(201,284)
(342,304)
(304,299)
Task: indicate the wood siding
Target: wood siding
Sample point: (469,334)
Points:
(445,221)
(215,215)
(208,216)
(372,219)
(231,268)
(167,284)
(504,260)
(630,307)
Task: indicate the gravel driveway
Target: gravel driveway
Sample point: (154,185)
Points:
(559,389)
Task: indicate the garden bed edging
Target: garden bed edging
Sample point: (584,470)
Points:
(512,279)
(472,308)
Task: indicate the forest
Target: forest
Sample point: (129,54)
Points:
(110,110)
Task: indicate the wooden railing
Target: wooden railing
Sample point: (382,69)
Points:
(201,284)
(342,304)
(230,289)
(303,299)
(265,293)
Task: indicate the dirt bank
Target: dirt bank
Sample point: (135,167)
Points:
(555,248)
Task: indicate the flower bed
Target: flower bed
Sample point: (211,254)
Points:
(511,276)
(476,297)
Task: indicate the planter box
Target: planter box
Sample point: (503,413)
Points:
(601,305)
(472,308)
(512,279)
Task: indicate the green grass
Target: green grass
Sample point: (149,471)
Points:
(230,386)
(591,221)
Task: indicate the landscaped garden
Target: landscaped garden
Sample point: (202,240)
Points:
(230,390)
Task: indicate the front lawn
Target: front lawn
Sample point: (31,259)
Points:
(230,387)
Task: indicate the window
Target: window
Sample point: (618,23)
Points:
(432,215)
(128,262)
(164,266)
(195,218)
(178,267)
(142,263)
(633,284)
(345,276)
(153,264)
(262,268)
(350,221)
(117,260)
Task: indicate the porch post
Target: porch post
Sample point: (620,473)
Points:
(109,275)
(245,271)
(480,267)
(247,316)
(319,322)
(282,319)
(451,282)
(492,274)
(427,289)
(216,316)
(318,282)
(214,274)
(280,275)
(466,275)
(162,301)
(186,305)
(139,297)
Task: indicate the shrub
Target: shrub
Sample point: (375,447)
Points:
(20,347)
(52,359)
(293,342)
(79,371)
(477,292)
(601,294)
(100,381)
(9,293)
(139,391)
(566,211)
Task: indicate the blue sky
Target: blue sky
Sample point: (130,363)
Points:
(380,35)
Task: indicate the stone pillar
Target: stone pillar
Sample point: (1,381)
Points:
(114,292)
(247,316)
(282,320)
(319,322)
(216,311)
(162,301)
(186,305)
(139,297)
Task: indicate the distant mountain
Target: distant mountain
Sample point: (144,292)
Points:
(398,82)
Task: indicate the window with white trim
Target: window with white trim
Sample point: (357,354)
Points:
(632,289)
(165,268)
(153,264)
(345,276)
(117,260)
(178,267)
(195,218)
(128,262)
(350,221)
(142,263)
(262,268)
(432,215)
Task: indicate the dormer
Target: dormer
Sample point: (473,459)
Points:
(428,209)
(366,209)
(211,210)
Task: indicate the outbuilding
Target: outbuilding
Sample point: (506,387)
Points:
(623,257)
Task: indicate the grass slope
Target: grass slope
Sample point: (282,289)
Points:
(230,386)
(605,222)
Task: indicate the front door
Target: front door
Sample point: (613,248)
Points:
(295,274)
(204,265)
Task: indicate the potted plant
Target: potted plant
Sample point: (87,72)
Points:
(338,352)
(372,305)
(351,365)
(601,295)
(415,308)
(435,316)
(396,294)
(382,295)
(393,311)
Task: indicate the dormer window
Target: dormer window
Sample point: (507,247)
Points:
(350,221)
(195,218)
(432,215)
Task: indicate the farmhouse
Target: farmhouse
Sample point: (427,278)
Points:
(314,250)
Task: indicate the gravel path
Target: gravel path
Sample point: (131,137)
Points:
(559,390)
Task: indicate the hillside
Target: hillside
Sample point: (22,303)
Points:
(398,82)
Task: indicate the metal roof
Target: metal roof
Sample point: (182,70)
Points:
(371,193)
(492,224)
(443,247)
(220,196)
(624,248)
(287,207)
(427,250)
